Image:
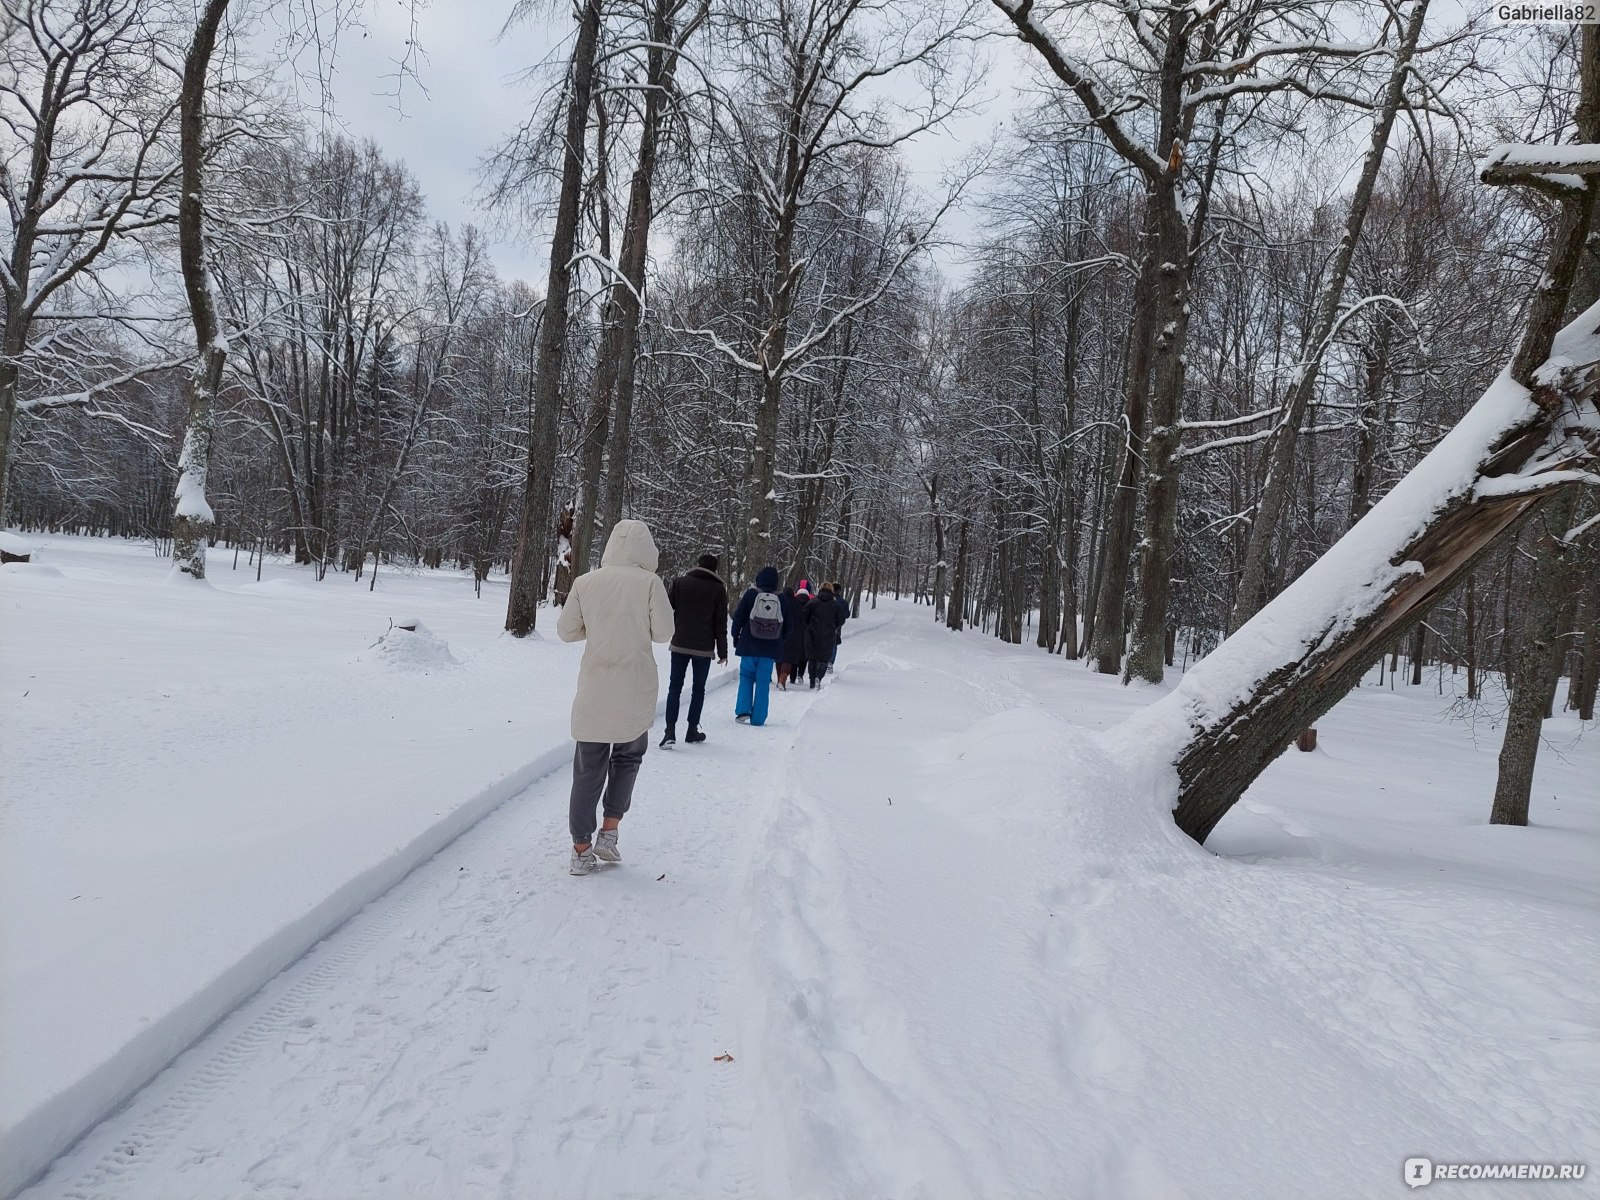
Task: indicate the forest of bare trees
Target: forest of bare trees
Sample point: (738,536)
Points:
(1232,272)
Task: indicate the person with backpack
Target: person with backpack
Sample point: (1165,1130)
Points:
(699,627)
(760,624)
(822,622)
(619,610)
(792,666)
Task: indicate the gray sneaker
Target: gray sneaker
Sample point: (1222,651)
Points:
(605,846)
(583,863)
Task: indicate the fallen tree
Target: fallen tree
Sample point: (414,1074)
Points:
(1535,430)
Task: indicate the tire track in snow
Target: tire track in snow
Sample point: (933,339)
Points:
(205,1071)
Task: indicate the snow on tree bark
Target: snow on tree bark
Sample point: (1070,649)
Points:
(192,517)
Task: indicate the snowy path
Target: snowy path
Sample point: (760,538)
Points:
(473,1032)
(936,981)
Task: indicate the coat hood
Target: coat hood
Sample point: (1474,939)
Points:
(630,545)
(766,579)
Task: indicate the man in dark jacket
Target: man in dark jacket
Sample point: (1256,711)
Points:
(760,623)
(822,632)
(700,626)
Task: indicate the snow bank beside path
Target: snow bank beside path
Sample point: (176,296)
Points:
(202,781)
(998,970)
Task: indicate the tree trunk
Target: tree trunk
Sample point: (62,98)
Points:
(8,408)
(531,560)
(192,519)
(1537,666)
(956,609)
(661,73)
(578,525)
(1171,304)
(1588,679)
(1471,639)
(1116,550)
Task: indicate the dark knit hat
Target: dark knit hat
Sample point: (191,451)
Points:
(708,561)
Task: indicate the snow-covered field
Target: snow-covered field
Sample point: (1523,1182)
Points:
(950,943)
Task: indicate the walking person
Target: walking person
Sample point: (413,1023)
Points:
(844,615)
(822,622)
(792,666)
(760,625)
(619,610)
(699,629)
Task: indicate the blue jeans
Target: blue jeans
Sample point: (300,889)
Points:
(697,695)
(755,682)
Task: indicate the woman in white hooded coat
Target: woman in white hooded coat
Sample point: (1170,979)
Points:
(620,610)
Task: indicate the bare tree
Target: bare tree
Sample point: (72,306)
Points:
(1285,432)
(536,528)
(85,164)
(808,69)
(192,516)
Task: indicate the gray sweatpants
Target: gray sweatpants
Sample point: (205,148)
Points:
(601,767)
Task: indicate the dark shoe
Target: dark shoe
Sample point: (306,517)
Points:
(694,735)
(669,738)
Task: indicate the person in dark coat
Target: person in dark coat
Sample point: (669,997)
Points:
(761,624)
(793,663)
(822,633)
(844,615)
(699,629)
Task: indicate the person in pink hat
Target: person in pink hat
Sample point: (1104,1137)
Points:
(793,663)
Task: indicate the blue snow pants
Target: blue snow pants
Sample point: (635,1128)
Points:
(755,682)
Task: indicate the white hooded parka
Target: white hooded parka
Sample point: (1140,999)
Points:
(620,609)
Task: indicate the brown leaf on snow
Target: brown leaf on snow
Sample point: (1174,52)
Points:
(723,1058)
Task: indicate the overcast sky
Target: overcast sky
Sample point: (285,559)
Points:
(464,100)
(469,99)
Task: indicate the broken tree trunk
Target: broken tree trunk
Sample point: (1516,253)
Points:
(1536,428)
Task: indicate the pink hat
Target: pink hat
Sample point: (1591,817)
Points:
(804,589)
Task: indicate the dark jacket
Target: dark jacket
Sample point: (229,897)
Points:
(794,642)
(745,643)
(822,626)
(844,614)
(699,614)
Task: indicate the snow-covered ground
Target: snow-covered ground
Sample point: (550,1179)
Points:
(200,783)
(950,943)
